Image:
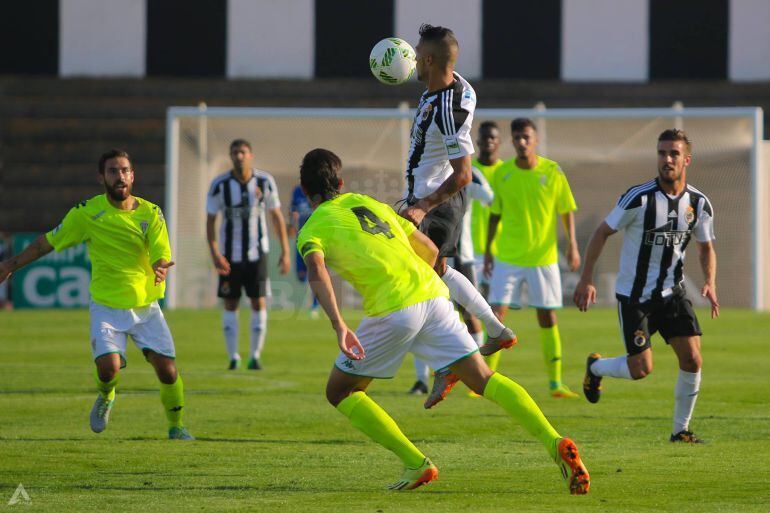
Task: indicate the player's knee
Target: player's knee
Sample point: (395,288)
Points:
(107,373)
(335,395)
(640,367)
(691,362)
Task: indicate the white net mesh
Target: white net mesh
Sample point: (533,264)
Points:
(602,156)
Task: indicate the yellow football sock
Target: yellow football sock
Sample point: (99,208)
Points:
(493,360)
(550,341)
(374,422)
(519,405)
(172,397)
(106,388)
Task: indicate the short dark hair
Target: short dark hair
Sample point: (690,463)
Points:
(442,37)
(488,125)
(319,174)
(113,153)
(519,124)
(675,134)
(237,143)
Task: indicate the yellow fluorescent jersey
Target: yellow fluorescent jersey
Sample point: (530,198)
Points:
(367,243)
(529,202)
(480,213)
(122,245)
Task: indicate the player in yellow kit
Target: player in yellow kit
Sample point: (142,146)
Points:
(130,256)
(390,263)
(530,193)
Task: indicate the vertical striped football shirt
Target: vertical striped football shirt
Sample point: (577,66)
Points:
(441,131)
(243,231)
(658,228)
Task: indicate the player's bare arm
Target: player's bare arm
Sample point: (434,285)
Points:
(424,247)
(708,263)
(573,253)
(39,248)
(489,262)
(279,225)
(585,292)
(460,177)
(161,267)
(220,262)
(321,285)
(292,230)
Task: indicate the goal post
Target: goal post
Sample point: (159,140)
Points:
(602,151)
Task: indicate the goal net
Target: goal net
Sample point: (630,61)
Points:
(602,151)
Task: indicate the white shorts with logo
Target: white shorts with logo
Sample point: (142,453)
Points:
(431,330)
(543,285)
(110,328)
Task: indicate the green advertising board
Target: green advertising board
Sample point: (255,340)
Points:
(58,280)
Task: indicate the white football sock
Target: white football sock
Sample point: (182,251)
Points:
(615,367)
(478,338)
(258,329)
(685,395)
(422,371)
(463,291)
(230,329)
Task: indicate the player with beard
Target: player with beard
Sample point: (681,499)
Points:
(130,255)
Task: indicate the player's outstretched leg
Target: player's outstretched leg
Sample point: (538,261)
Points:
(100,413)
(171,395)
(369,418)
(518,404)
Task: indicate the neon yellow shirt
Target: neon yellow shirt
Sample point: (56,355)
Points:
(122,245)
(367,243)
(528,201)
(480,213)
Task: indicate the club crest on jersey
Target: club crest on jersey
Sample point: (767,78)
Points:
(639,338)
(426,111)
(690,215)
(144,225)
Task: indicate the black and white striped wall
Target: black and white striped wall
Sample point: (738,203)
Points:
(571,40)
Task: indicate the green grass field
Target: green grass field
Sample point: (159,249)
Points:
(268,441)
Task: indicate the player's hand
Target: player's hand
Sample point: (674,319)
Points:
(348,343)
(414,214)
(284,264)
(5,271)
(221,264)
(489,265)
(573,258)
(161,269)
(709,292)
(585,295)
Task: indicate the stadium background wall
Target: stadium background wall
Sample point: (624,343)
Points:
(569,40)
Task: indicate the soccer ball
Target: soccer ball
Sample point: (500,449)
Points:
(392,61)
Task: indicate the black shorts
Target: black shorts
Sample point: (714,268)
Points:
(444,223)
(672,316)
(251,276)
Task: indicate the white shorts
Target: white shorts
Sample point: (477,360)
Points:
(431,330)
(110,328)
(543,285)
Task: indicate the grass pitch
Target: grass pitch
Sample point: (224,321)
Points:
(268,441)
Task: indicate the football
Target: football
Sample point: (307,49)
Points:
(392,61)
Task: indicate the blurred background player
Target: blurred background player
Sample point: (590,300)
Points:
(659,218)
(389,262)
(299,212)
(130,256)
(438,168)
(531,191)
(243,195)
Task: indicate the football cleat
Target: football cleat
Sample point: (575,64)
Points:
(414,477)
(443,382)
(504,340)
(572,469)
(592,384)
(234,364)
(100,414)
(254,364)
(179,433)
(418,388)
(563,392)
(686,437)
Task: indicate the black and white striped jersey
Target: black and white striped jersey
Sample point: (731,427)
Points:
(658,229)
(243,231)
(441,131)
